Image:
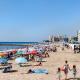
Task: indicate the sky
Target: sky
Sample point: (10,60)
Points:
(35,20)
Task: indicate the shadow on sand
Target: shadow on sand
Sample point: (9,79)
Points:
(11,71)
(41,61)
(73,79)
(25,65)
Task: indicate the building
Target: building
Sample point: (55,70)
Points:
(78,35)
(51,38)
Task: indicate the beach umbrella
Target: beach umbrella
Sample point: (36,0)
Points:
(3,54)
(40,51)
(24,50)
(20,60)
(20,52)
(34,52)
(31,49)
(3,60)
(14,51)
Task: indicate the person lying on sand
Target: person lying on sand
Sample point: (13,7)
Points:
(30,71)
(39,64)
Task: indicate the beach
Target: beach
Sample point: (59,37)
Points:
(56,59)
(40,40)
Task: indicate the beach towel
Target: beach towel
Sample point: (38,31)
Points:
(40,71)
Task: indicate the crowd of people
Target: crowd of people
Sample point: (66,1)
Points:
(45,53)
(76,49)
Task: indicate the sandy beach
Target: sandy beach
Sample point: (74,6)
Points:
(39,39)
(56,59)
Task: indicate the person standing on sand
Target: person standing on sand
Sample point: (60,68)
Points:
(59,74)
(46,53)
(66,68)
(74,71)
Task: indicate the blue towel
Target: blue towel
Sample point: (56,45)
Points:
(40,71)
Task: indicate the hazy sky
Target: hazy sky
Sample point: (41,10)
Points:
(35,20)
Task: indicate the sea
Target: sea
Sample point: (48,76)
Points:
(5,46)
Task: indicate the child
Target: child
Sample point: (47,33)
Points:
(59,73)
(74,71)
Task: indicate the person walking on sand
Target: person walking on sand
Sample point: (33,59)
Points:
(66,68)
(74,71)
(59,73)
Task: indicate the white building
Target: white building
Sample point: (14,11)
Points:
(78,34)
(51,38)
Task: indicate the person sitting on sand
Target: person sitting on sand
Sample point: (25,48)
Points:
(66,68)
(59,73)
(40,64)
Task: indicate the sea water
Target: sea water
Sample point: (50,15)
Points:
(4,47)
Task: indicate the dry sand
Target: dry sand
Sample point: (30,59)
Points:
(55,60)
